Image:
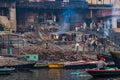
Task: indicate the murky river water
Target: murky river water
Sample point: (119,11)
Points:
(52,74)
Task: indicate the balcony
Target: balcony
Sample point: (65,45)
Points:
(6,3)
(52,4)
(100,6)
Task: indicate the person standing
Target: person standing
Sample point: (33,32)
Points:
(32,28)
(77,47)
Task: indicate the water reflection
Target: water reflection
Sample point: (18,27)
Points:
(52,74)
(113,78)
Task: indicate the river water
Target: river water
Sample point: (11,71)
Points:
(53,74)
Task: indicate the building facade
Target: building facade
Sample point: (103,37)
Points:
(106,9)
(36,12)
(8,14)
(23,13)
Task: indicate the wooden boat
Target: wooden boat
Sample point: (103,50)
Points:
(6,71)
(22,66)
(115,53)
(80,64)
(116,58)
(84,64)
(41,65)
(110,71)
(55,65)
(104,73)
(15,63)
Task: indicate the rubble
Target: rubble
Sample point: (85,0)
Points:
(39,42)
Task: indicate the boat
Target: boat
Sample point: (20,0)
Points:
(84,64)
(13,62)
(26,66)
(108,72)
(115,53)
(116,58)
(6,71)
(56,65)
(80,64)
(41,65)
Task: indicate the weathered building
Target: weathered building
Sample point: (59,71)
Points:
(106,9)
(23,13)
(8,10)
(35,12)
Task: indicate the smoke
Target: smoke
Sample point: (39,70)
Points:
(109,24)
(70,19)
(116,4)
(106,29)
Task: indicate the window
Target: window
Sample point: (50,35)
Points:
(27,56)
(51,0)
(118,23)
(65,0)
(100,1)
(34,57)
